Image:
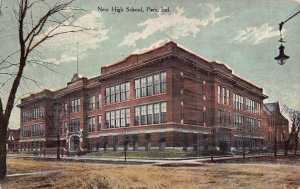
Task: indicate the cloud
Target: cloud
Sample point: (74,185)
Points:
(152,46)
(175,25)
(256,35)
(87,40)
(62,59)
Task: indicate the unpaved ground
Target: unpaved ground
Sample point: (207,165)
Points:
(88,175)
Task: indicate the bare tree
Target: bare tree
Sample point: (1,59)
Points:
(32,33)
(294,116)
(296,139)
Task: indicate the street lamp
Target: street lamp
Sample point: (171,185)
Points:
(281,58)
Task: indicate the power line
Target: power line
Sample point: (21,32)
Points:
(292,12)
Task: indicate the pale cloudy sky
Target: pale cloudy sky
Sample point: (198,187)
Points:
(243,34)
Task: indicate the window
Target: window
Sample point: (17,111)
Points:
(25,116)
(219,117)
(135,142)
(107,120)
(115,142)
(75,105)
(223,118)
(219,94)
(112,119)
(150,114)
(74,125)
(107,95)
(250,105)
(150,85)
(251,124)
(156,83)
(162,141)
(25,131)
(37,113)
(258,107)
(259,125)
(147,141)
(38,130)
(163,112)
(99,122)
(99,102)
(65,127)
(137,88)
(224,115)
(127,91)
(91,124)
(91,103)
(156,114)
(238,102)
(112,94)
(224,95)
(241,103)
(123,117)
(238,121)
(117,93)
(137,115)
(123,92)
(163,82)
(229,119)
(117,118)
(228,96)
(127,114)
(143,87)
(65,108)
(57,110)
(91,143)
(143,115)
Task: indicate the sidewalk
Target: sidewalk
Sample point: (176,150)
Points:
(193,161)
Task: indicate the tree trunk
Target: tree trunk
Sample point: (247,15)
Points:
(286,147)
(3,138)
(296,144)
(275,148)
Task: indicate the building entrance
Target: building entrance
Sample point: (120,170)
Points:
(223,146)
(74,143)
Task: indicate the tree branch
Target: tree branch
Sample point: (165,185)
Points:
(1,108)
(9,56)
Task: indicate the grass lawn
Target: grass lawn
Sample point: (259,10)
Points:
(143,154)
(88,175)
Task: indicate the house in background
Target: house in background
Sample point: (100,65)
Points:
(13,137)
(165,98)
(276,126)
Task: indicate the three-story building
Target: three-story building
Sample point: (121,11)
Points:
(165,98)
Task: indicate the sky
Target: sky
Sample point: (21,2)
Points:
(242,34)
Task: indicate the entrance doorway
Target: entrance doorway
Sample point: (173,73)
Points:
(74,143)
(223,146)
